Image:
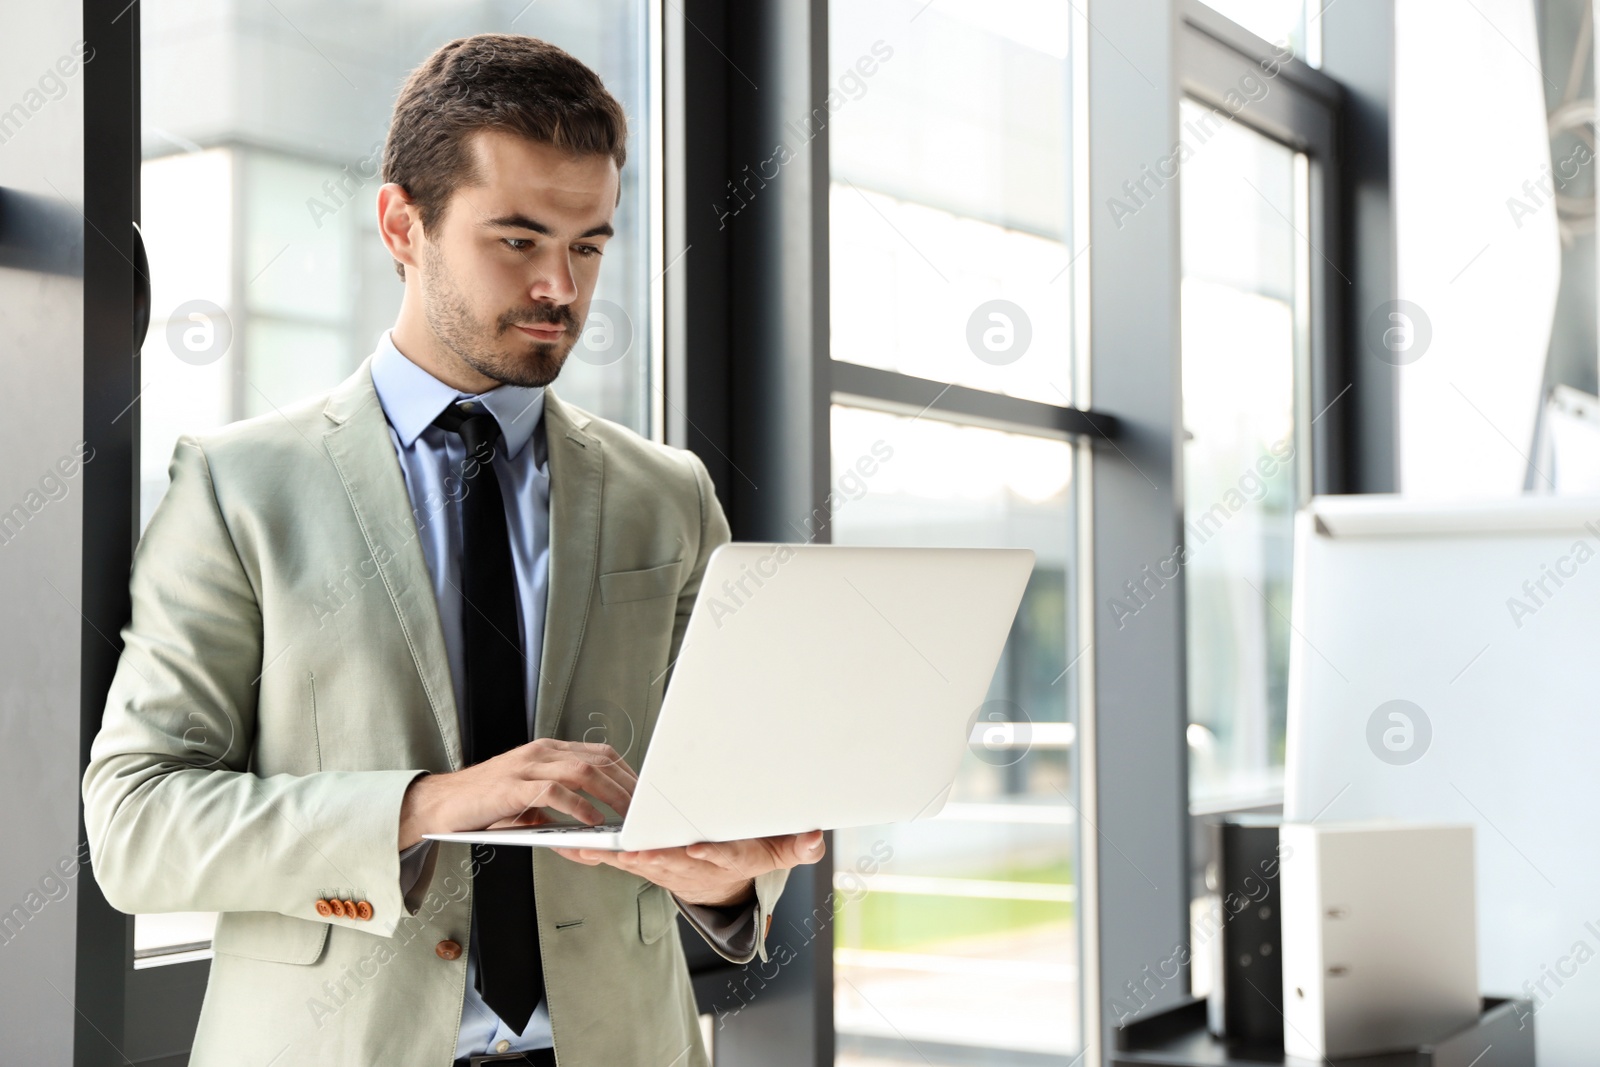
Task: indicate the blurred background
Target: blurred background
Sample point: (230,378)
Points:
(1122,283)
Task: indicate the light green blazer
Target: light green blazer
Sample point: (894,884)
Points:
(284,677)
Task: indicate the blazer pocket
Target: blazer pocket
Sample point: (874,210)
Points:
(267,935)
(655,913)
(620,586)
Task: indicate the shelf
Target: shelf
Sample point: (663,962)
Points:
(1178,1037)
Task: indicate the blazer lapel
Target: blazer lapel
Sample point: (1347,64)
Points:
(577,468)
(361,450)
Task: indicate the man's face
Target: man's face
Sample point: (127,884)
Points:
(508,274)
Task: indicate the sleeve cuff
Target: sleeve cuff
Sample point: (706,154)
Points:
(414,863)
(730,930)
(739,934)
(769,887)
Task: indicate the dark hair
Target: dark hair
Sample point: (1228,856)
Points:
(504,81)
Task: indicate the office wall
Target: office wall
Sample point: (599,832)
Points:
(41,423)
(1478,243)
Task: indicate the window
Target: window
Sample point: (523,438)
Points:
(1298,22)
(1259,294)
(1260,288)
(951,266)
(965,933)
(1244,325)
(949,164)
(269,280)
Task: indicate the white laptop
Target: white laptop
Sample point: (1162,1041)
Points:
(818,687)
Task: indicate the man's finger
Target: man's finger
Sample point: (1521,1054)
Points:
(758,856)
(598,754)
(623,861)
(548,794)
(793,850)
(807,847)
(615,772)
(536,817)
(735,856)
(652,864)
(576,855)
(579,776)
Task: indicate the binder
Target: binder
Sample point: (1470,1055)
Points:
(1379,936)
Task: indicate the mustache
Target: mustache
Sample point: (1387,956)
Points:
(544,315)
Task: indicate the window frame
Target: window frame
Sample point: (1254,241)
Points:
(1134,793)
(751,379)
(1302,110)
(1089,429)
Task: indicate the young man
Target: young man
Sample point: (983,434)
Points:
(403,607)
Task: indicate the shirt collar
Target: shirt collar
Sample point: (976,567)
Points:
(412,398)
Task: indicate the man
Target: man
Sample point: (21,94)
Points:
(350,618)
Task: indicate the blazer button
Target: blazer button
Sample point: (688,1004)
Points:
(448,950)
(338,906)
(324,909)
(349,909)
(363,911)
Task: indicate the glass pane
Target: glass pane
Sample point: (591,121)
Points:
(961,930)
(1244,268)
(1297,23)
(263,133)
(950,204)
(259,184)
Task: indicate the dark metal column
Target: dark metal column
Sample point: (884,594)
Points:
(1135,794)
(1358,50)
(747,385)
(110,383)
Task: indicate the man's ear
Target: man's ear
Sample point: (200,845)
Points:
(399,224)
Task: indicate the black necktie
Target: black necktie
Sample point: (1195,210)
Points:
(510,973)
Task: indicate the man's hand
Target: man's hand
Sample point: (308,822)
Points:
(519,788)
(715,873)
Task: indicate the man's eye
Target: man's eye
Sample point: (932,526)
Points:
(516,244)
(588,250)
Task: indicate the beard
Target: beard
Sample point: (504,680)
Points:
(481,345)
